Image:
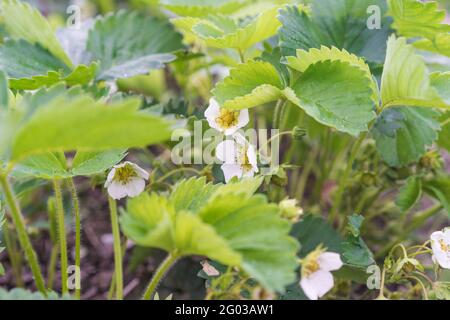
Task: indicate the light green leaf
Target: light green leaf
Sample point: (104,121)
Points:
(202,8)
(441,82)
(444,135)
(440,44)
(82,124)
(339,23)
(124,50)
(234,229)
(25,22)
(48,165)
(336,94)
(402,134)
(249,85)
(410,193)
(405,80)
(304,59)
(222,31)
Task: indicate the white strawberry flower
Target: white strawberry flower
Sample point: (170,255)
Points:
(440,245)
(239,158)
(224,120)
(126,179)
(317,279)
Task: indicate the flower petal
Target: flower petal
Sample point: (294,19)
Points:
(251,155)
(211,114)
(231,170)
(330,261)
(322,281)
(309,289)
(110,177)
(243,118)
(141,173)
(226,151)
(117,191)
(135,187)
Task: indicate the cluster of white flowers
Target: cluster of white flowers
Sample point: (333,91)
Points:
(238,154)
(126,179)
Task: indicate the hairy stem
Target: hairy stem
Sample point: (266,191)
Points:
(117,248)
(13,254)
(159,274)
(61,235)
(76,213)
(24,240)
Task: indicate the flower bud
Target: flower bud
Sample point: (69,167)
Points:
(290,210)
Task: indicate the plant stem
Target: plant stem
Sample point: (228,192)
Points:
(52,267)
(117,248)
(343,181)
(381,294)
(277,114)
(241,55)
(169,174)
(112,286)
(159,274)
(61,235)
(14,255)
(24,240)
(76,213)
(417,222)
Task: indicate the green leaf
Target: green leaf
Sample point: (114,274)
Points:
(354,250)
(313,231)
(4,90)
(249,85)
(30,67)
(25,22)
(354,224)
(339,23)
(336,94)
(82,124)
(124,50)
(439,188)
(423,20)
(441,82)
(202,8)
(304,59)
(90,163)
(410,193)
(403,134)
(405,80)
(220,31)
(232,228)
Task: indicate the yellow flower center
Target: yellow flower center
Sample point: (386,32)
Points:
(245,162)
(227,118)
(444,246)
(125,174)
(310,267)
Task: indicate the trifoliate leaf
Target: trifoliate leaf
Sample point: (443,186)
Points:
(128,44)
(336,94)
(304,59)
(222,31)
(234,229)
(402,134)
(81,123)
(249,85)
(423,20)
(405,80)
(409,194)
(191,194)
(202,8)
(25,22)
(343,24)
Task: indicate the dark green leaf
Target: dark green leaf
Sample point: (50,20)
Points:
(410,193)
